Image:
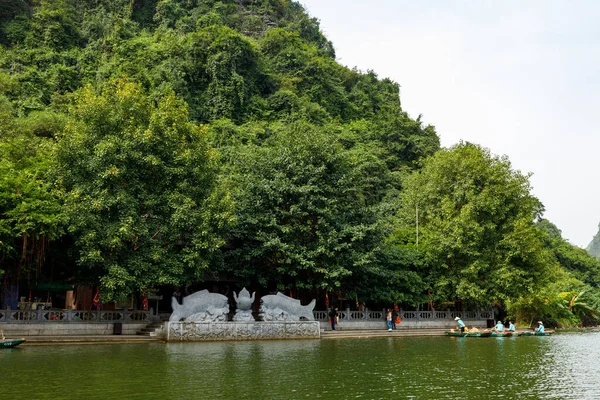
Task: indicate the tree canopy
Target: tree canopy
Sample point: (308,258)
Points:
(139,183)
(476,219)
(304,219)
(159,143)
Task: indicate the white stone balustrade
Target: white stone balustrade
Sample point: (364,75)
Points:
(75,316)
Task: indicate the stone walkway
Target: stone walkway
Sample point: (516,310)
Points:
(108,339)
(340,334)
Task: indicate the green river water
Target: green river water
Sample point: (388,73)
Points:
(563,366)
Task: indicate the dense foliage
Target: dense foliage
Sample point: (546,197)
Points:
(139,184)
(476,220)
(306,218)
(570,295)
(30,211)
(148,143)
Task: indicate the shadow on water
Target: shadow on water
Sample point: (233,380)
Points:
(558,367)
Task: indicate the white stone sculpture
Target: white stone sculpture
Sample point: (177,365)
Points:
(280,307)
(201,306)
(244,306)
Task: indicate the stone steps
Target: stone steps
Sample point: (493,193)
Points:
(151,329)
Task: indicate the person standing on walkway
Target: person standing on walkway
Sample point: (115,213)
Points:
(388,317)
(333,316)
(461,324)
(394,318)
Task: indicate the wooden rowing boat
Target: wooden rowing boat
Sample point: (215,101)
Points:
(504,334)
(480,334)
(531,333)
(496,334)
(456,333)
(8,343)
(467,334)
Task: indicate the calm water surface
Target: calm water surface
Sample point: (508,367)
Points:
(565,366)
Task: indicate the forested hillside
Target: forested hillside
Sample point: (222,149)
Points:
(160,143)
(594,246)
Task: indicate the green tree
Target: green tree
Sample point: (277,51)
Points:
(572,258)
(563,301)
(140,189)
(577,304)
(399,274)
(304,218)
(476,220)
(30,211)
(569,295)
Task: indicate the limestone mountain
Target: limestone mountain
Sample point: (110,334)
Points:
(594,247)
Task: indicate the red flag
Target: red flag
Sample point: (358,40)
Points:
(396,307)
(326,300)
(145,303)
(96,302)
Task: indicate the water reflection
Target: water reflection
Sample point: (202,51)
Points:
(557,367)
(571,365)
(237,369)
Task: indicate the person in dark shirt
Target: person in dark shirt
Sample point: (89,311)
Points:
(333,316)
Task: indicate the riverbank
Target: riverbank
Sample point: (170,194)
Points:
(120,339)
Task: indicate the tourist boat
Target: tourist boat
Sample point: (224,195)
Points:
(467,334)
(8,343)
(456,333)
(532,333)
(480,334)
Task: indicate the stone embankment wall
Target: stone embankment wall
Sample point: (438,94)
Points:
(73,323)
(210,331)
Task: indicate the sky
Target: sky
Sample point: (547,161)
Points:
(520,78)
